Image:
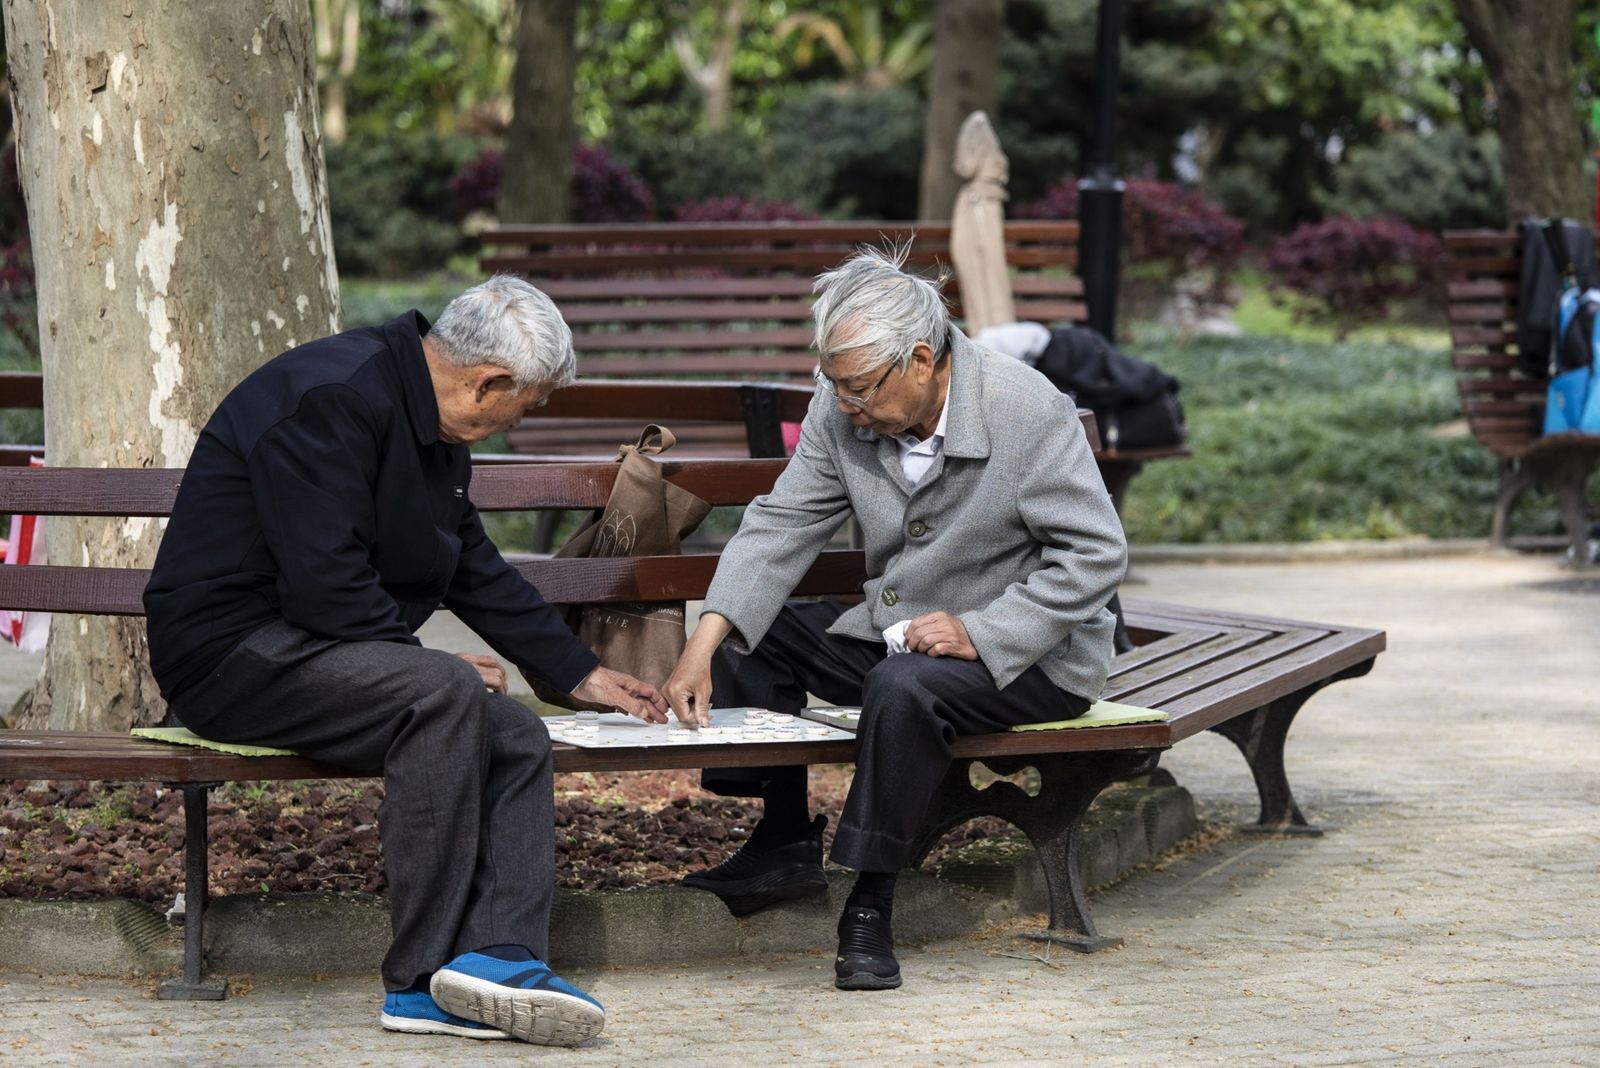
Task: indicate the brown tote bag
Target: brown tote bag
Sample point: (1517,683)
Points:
(645,516)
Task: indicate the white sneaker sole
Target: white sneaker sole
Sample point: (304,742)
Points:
(433,1027)
(542,1017)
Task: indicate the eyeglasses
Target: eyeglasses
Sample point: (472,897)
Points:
(859,403)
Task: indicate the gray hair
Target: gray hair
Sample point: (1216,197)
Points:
(507,322)
(871,303)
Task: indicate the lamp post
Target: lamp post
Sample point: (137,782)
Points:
(1100,190)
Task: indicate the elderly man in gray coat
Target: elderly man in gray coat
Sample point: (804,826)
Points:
(992,550)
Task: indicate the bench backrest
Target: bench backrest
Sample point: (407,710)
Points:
(734,299)
(590,418)
(118,492)
(496,487)
(1504,408)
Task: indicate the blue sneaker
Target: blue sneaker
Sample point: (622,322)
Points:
(415,1013)
(524,998)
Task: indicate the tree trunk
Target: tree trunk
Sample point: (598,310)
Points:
(1527,47)
(536,181)
(966,55)
(713,76)
(173,172)
(337,25)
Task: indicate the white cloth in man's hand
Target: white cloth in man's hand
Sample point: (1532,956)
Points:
(895,636)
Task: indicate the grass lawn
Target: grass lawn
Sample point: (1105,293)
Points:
(1297,438)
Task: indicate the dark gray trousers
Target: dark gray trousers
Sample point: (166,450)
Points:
(913,707)
(466,821)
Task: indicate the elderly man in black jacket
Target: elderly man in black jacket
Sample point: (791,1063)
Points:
(324,516)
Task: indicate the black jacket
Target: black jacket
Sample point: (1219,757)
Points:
(1539,288)
(320,493)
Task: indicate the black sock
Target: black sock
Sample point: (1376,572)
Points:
(785,814)
(873,890)
(508,952)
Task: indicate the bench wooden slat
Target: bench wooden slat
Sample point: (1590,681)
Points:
(1483,336)
(1129,687)
(118,591)
(1218,674)
(21,389)
(1255,685)
(577,314)
(89,491)
(1504,266)
(672,341)
(1463,312)
(778,232)
(1497,240)
(655,401)
(1483,361)
(1500,384)
(765,365)
(1502,290)
(660,289)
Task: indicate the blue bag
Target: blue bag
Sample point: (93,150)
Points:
(1572,401)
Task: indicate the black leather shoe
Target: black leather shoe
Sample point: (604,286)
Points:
(753,879)
(866,952)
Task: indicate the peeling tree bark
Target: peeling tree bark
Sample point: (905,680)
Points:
(172,165)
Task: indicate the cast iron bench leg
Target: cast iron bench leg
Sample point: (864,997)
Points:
(1052,820)
(192,985)
(1260,736)
(1515,480)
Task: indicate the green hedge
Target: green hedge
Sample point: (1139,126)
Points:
(1302,440)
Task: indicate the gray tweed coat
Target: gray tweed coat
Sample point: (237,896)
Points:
(1011,529)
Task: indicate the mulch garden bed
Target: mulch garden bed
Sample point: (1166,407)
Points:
(612,832)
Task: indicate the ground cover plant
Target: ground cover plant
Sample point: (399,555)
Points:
(1300,440)
(612,832)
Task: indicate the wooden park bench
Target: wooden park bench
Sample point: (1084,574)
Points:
(1243,676)
(588,420)
(1505,408)
(733,300)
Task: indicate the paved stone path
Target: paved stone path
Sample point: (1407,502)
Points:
(1448,915)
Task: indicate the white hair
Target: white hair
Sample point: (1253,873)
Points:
(871,304)
(508,323)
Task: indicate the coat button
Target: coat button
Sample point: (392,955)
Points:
(889,597)
(917,528)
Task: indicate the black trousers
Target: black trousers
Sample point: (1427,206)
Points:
(466,821)
(913,708)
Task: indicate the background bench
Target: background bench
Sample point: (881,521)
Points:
(1505,408)
(1243,676)
(733,300)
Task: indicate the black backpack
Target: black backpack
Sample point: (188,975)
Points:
(1557,255)
(1135,403)
(1578,304)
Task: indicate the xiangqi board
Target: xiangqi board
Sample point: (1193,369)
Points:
(729,726)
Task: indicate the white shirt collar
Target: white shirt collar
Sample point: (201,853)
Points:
(928,443)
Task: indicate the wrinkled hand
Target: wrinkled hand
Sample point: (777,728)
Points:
(940,634)
(624,693)
(689,690)
(489,669)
